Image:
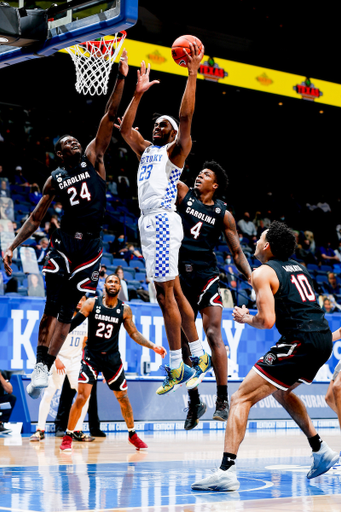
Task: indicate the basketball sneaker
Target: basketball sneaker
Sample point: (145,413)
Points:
(40,376)
(323,460)
(78,435)
(222,409)
(201,366)
(175,378)
(66,445)
(38,435)
(33,392)
(137,442)
(195,411)
(219,481)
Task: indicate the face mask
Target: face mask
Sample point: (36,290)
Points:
(57,210)
(102,272)
(121,239)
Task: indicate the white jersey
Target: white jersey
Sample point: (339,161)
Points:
(73,345)
(157,180)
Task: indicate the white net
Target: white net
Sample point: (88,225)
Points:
(93,61)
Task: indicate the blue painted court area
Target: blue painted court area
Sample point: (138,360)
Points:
(152,484)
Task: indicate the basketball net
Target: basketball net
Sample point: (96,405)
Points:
(93,61)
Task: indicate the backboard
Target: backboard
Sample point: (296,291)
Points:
(86,20)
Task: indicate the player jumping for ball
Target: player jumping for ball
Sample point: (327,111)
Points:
(73,260)
(161,232)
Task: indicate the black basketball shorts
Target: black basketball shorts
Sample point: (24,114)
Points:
(110,365)
(201,291)
(295,360)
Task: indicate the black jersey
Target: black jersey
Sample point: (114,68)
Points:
(296,306)
(104,326)
(202,226)
(82,193)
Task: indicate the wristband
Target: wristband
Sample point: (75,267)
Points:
(120,76)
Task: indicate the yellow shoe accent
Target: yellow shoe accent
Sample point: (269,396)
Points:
(201,365)
(175,378)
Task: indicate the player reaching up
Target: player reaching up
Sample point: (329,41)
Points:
(204,218)
(76,249)
(161,233)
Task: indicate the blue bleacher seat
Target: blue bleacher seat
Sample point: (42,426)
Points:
(108,255)
(140,276)
(139,263)
(118,261)
(128,276)
(105,261)
(108,237)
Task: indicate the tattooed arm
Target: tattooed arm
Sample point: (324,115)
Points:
(135,335)
(232,240)
(32,223)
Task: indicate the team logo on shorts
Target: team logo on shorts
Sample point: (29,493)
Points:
(269,358)
(95,276)
(218,210)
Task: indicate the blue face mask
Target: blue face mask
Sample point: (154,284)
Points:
(121,239)
(58,210)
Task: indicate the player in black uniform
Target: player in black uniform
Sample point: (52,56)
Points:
(204,218)
(73,260)
(101,354)
(285,295)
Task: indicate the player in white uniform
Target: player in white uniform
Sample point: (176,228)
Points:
(68,362)
(161,233)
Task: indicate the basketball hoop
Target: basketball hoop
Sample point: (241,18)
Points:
(93,61)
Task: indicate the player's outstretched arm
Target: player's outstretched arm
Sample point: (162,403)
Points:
(133,137)
(85,311)
(183,142)
(31,224)
(232,239)
(135,335)
(263,283)
(182,191)
(98,146)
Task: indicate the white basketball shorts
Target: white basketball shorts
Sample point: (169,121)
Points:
(72,367)
(161,235)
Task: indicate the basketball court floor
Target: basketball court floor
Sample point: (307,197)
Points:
(109,474)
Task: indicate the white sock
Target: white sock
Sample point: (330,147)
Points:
(175,358)
(196,348)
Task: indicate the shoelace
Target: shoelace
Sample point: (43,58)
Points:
(168,374)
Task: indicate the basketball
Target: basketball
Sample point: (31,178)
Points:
(181,46)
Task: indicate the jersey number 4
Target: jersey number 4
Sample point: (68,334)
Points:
(303,287)
(84,194)
(195,230)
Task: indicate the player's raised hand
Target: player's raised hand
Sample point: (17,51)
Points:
(160,350)
(7,260)
(194,57)
(123,67)
(119,122)
(143,81)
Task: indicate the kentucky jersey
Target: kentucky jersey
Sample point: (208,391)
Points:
(82,193)
(104,327)
(202,226)
(296,306)
(157,179)
(73,345)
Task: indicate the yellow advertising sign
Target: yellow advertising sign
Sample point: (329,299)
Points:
(237,74)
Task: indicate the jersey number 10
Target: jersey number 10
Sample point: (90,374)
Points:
(303,287)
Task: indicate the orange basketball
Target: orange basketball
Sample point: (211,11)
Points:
(180,46)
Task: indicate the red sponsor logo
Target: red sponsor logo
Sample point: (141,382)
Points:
(212,71)
(307,90)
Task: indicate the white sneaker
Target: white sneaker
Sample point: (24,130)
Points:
(323,460)
(33,392)
(40,376)
(219,481)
